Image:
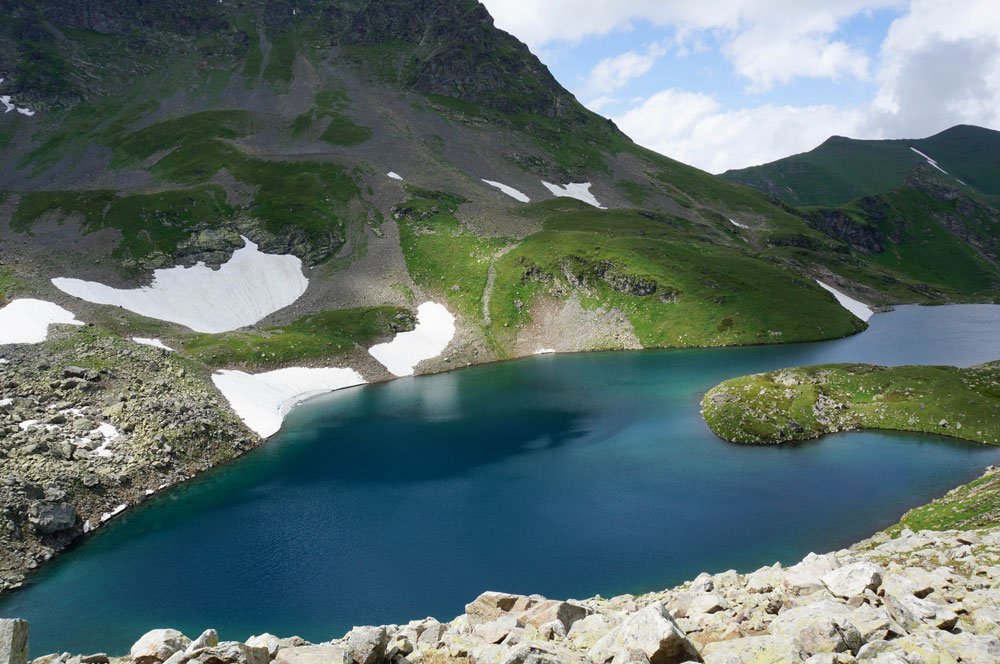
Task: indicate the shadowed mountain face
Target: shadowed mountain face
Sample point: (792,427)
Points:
(156,134)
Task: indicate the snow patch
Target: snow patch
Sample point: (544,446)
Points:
(395,176)
(736,223)
(26,321)
(248,287)
(510,191)
(5,100)
(113,513)
(434,331)
(155,343)
(962,183)
(859,309)
(262,400)
(108,431)
(929,160)
(545,351)
(6,402)
(580,191)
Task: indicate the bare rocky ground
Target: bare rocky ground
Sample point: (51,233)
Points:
(921,598)
(91,425)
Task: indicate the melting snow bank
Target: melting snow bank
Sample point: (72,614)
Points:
(580,191)
(859,309)
(929,160)
(9,105)
(434,331)
(248,287)
(262,400)
(395,176)
(27,321)
(155,343)
(510,191)
(545,351)
(736,223)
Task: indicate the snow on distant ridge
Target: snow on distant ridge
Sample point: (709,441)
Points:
(434,331)
(248,287)
(395,176)
(929,160)
(263,400)
(510,191)
(26,321)
(736,223)
(859,309)
(579,190)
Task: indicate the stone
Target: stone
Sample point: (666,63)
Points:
(537,653)
(49,518)
(207,639)
(548,610)
(230,652)
(14,641)
(707,603)
(157,646)
(265,640)
(807,576)
(912,612)
(763,649)
(325,654)
(586,632)
(366,645)
(765,580)
(853,579)
(819,627)
(873,624)
(651,631)
(497,630)
(490,605)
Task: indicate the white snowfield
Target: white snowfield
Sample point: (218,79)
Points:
(26,321)
(510,191)
(395,176)
(859,309)
(434,331)
(929,160)
(248,287)
(580,191)
(155,343)
(10,106)
(262,400)
(736,223)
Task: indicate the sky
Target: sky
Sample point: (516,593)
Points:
(723,84)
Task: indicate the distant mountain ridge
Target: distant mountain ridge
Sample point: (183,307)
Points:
(843,169)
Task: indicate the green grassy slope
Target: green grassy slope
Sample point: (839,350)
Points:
(843,169)
(807,402)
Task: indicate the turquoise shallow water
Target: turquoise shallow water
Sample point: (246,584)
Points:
(562,475)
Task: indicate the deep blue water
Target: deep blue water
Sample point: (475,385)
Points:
(563,475)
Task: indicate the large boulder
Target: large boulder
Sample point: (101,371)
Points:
(230,652)
(651,631)
(762,649)
(312,655)
(549,610)
(14,641)
(491,605)
(206,639)
(819,627)
(854,579)
(158,645)
(366,645)
(265,640)
(48,518)
(807,576)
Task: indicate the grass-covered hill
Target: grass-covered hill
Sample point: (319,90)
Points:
(844,169)
(163,131)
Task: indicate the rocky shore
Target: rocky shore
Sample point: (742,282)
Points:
(92,424)
(919,598)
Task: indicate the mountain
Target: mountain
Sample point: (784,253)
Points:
(405,152)
(844,169)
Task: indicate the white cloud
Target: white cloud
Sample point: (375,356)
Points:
(768,43)
(693,128)
(616,72)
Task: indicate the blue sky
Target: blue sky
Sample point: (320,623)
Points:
(731,83)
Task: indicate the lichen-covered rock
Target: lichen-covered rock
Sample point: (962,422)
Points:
(820,627)
(755,650)
(653,632)
(14,641)
(366,645)
(158,645)
(322,654)
(50,518)
(265,640)
(853,579)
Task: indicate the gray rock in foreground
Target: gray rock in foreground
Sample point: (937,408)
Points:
(13,642)
(922,598)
